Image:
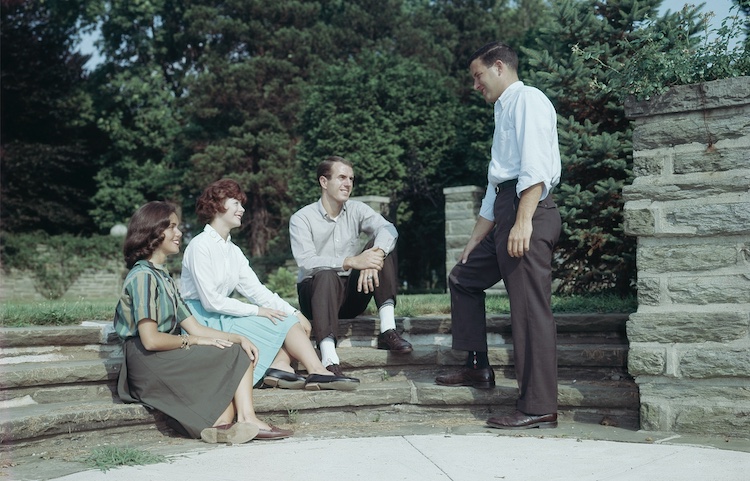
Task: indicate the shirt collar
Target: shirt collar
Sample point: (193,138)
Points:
(322,210)
(156,267)
(215,235)
(509,92)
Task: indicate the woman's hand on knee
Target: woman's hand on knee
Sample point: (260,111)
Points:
(274,315)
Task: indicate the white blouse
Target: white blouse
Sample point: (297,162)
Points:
(213,268)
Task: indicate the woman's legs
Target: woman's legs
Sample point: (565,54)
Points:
(297,345)
(242,404)
(283,361)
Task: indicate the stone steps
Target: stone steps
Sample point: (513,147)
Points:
(58,380)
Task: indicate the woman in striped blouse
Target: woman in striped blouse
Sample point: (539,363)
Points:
(201,378)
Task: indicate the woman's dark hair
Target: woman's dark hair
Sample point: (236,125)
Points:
(211,201)
(494,51)
(146,231)
(325,168)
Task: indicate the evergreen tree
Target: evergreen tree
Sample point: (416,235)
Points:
(595,137)
(48,135)
(395,120)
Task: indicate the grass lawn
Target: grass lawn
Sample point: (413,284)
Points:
(67,312)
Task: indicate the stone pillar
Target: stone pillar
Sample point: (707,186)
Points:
(689,205)
(461,210)
(377,202)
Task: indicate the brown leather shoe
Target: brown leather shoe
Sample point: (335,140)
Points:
(392,341)
(483,378)
(336,370)
(520,420)
(274,433)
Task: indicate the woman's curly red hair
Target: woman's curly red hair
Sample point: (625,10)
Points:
(211,201)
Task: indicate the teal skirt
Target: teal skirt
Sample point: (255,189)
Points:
(267,336)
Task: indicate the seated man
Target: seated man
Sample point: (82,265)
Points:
(336,279)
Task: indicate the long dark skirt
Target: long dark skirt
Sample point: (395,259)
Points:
(192,386)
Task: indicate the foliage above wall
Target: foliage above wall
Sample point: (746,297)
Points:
(57,261)
(680,50)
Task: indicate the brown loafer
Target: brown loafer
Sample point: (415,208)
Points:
(483,378)
(234,433)
(520,420)
(336,370)
(274,433)
(392,341)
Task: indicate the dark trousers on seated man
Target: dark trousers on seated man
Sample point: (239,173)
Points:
(327,297)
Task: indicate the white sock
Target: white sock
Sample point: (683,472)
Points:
(387,316)
(328,352)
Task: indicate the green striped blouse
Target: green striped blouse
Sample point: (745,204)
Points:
(149,292)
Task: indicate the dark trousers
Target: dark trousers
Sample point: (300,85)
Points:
(327,297)
(528,280)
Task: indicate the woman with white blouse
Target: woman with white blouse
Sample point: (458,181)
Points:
(213,267)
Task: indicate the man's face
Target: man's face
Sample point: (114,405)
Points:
(339,187)
(487,79)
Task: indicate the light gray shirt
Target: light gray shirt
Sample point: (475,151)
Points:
(320,242)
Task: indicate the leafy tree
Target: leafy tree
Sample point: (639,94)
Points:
(48,134)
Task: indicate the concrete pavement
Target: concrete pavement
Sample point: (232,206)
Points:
(574,451)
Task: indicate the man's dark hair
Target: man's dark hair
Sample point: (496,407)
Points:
(325,168)
(494,51)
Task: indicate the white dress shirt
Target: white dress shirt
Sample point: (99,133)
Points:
(213,268)
(524,145)
(320,242)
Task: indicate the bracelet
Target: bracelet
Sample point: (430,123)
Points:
(185,341)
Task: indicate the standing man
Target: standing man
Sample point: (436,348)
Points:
(513,239)
(336,278)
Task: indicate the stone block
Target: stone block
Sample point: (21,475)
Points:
(687,327)
(649,291)
(716,362)
(706,128)
(646,361)
(683,257)
(651,163)
(710,219)
(698,97)
(728,419)
(701,290)
(697,188)
(639,222)
(723,156)
(460,227)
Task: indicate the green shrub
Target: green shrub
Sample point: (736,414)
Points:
(678,51)
(283,282)
(56,262)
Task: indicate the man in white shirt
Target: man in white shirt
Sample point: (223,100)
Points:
(513,240)
(337,278)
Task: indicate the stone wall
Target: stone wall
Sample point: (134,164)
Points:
(689,205)
(91,284)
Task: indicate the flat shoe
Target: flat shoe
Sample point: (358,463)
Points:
(319,382)
(273,433)
(283,379)
(234,433)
